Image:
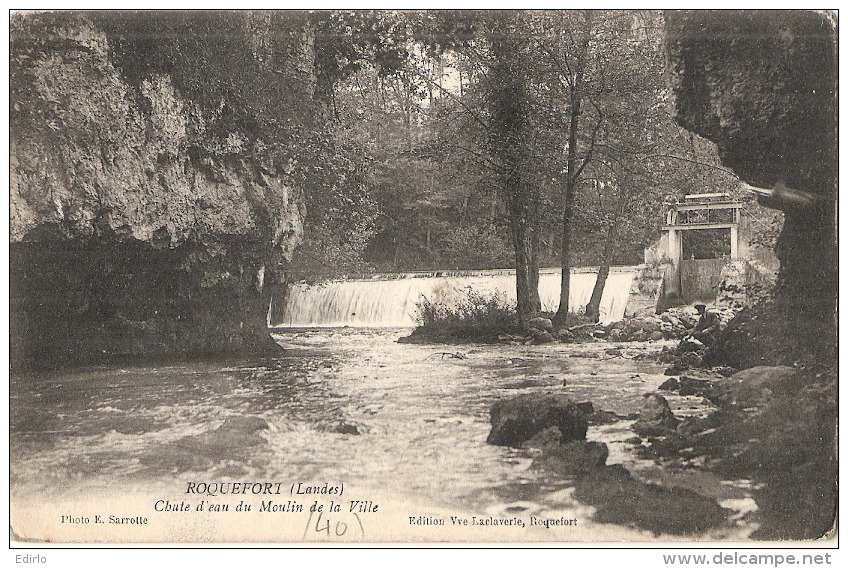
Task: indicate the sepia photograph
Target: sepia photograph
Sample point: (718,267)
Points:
(423,276)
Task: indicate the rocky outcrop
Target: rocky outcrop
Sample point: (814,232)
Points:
(517,420)
(762,86)
(754,387)
(778,428)
(614,493)
(150,206)
(620,498)
(573,459)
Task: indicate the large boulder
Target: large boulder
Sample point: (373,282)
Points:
(573,459)
(517,420)
(541,323)
(693,386)
(541,336)
(655,417)
(619,498)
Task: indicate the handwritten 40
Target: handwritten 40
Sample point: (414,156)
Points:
(334,527)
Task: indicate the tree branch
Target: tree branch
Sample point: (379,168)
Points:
(588,157)
(454,98)
(563,71)
(482,159)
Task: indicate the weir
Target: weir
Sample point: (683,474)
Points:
(389,300)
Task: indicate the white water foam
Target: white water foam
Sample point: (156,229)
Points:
(392,302)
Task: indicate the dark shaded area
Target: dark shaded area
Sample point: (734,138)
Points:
(616,495)
(621,499)
(84,302)
(146,202)
(775,426)
(553,429)
(708,243)
(761,85)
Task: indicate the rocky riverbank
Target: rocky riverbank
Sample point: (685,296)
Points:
(774,426)
(553,427)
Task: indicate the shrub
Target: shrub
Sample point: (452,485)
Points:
(474,315)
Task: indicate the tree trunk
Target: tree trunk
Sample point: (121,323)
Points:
(510,138)
(570,186)
(565,258)
(526,245)
(593,308)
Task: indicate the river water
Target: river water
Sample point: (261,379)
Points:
(133,435)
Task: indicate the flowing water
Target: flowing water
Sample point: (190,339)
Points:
(390,300)
(107,433)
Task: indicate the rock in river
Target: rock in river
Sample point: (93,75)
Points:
(576,458)
(518,419)
(655,418)
(753,387)
(691,385)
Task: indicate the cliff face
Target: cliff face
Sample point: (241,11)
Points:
(148,219)
(762,86)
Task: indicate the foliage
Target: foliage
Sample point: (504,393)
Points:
(417,95)
(427,133)
(476,315)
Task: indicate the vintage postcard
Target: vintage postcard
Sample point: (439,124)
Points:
(423,276)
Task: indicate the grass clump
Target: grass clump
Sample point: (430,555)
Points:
(472,316)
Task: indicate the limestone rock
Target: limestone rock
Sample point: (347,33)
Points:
(236,431)
(690,385)
(144,223)
(541,336)
(565,335)
(575,458)
(753,387)
(691,359)
(762,85)
(338,427)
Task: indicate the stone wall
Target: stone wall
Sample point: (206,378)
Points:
(646,291)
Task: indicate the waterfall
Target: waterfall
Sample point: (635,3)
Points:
(390,300)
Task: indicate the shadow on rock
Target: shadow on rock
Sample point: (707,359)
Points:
(517,420)
(619,498)
(655,417)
